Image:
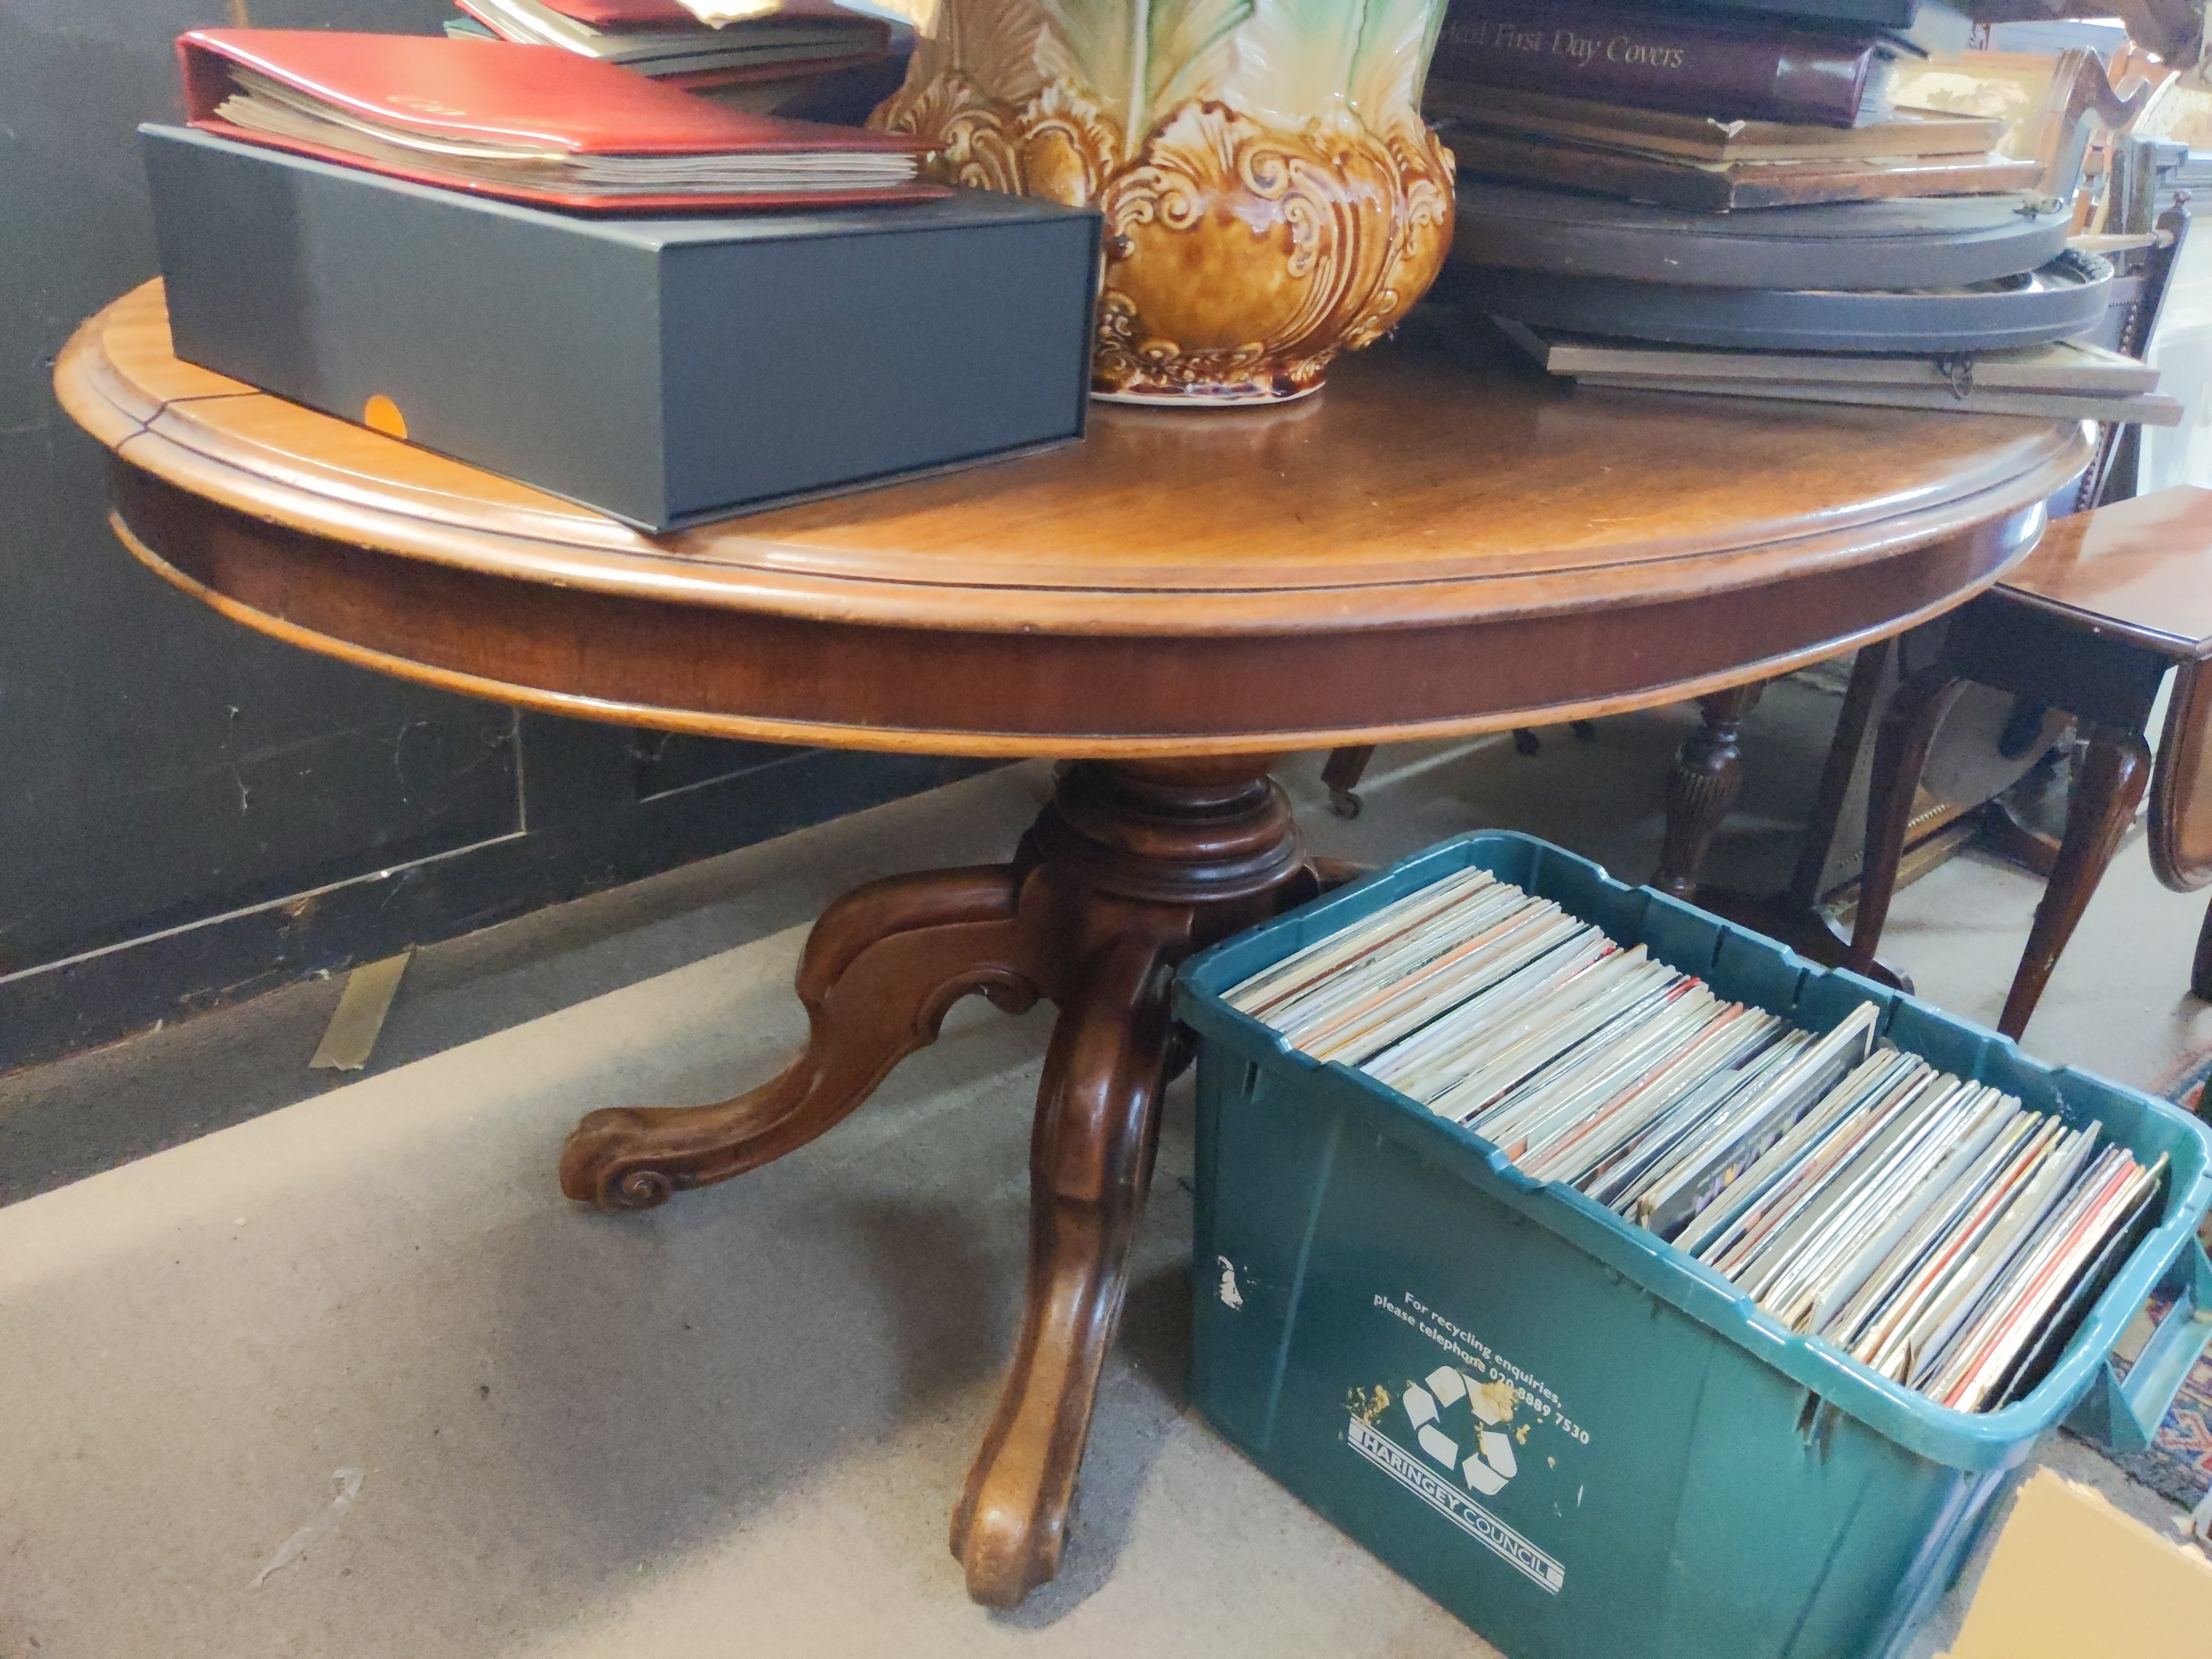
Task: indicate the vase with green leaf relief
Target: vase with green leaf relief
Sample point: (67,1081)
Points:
(1271,194)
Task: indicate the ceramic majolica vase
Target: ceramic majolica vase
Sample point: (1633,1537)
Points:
(1271,196)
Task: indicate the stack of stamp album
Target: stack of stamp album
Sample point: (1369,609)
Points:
(1929,1226)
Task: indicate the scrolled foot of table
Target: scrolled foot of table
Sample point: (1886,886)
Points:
(1089,1163)
(881,966)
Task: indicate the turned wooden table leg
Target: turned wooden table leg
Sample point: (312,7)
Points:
(1707,778)
(1129,870)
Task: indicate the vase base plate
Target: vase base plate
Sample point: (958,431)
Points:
(1253,399)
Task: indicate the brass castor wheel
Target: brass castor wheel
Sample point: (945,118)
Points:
(1344,803)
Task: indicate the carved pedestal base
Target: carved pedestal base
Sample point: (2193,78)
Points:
(1128,870)
(1708,777)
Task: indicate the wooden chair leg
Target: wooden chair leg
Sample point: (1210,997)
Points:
(2200,972)
(2108,786)
(1708,777)
(1342,774)
(1900,754)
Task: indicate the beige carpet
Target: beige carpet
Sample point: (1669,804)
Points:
(734,1426)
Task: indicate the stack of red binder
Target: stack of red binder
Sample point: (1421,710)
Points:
(550,128)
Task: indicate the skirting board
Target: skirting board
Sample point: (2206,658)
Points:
(82,1001)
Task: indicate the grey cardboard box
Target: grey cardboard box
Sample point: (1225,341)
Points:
(667,371)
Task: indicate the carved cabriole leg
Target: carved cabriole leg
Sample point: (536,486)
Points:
(1091,1156)
(1129,869)
(1137,866)
(2107,787)
(1707,778)
(881,966)
(1900,755)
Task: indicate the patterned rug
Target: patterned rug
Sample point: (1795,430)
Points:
(2184,1085)
(2180,1462)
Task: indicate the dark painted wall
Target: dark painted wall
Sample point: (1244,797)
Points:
(154,758)
(161,767)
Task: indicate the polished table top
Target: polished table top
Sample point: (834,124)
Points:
(1442,541)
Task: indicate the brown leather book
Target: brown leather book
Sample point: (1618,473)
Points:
(526,123)
(1725,186)
(1664,60)
(1701,138)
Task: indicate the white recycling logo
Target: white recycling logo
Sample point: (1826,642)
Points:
(1490,1464)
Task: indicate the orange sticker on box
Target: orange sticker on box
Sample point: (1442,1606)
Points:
(380,414)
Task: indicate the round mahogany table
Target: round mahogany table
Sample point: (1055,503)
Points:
(1439,544)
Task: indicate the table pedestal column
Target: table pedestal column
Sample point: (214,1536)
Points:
(1131,868)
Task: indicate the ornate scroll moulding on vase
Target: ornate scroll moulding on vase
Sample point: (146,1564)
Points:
(1271,196)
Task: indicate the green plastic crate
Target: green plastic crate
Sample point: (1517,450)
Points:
(1675,1474)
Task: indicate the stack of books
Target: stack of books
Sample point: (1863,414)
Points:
(543,127)
(780,49)
(1699,115)
(1702,163)
(1930,1226)
(1699,112)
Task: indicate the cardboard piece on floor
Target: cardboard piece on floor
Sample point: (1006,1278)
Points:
(353,1028)
(2073,1578)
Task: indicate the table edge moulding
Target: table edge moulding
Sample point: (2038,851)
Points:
(276,514)
(1438,542)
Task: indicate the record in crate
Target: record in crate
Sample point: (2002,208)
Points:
(1272,195)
